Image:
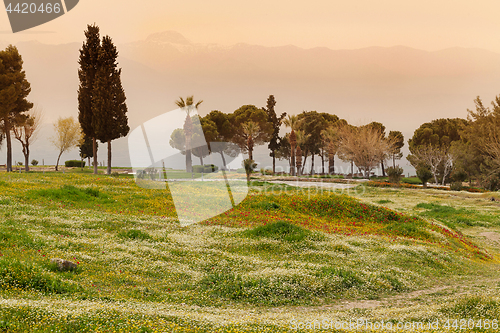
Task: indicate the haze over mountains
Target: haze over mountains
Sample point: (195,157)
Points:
(399,86)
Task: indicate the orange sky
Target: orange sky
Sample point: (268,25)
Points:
(423,24)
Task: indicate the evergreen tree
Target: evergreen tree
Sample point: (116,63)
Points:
(88,62)
(109,110)
(274,143)
(14,88)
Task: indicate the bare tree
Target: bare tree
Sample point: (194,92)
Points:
(434,157)
(25,129)
(67,135)
(365,146)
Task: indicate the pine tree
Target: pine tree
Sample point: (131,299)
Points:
(14,88)
(109,110)
(88,68)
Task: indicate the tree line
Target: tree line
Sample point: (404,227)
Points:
(312,134)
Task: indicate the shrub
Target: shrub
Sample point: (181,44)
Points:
(424,174)
(210,168)
(19,163)
(394,174)
(198,168)
(266,172)
(34,162)
(74,164)
(456,186)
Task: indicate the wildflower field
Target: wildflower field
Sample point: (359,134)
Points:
(284,258)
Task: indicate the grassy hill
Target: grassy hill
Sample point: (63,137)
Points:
(283,256)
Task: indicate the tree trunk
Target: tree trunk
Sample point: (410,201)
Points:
(250,153)
(394,160)
(383,170)
(9,145)
(26,152)
(274,163)
(352,169)
(201,160)
(331,164)
(304,162)
(292,157)
(312,164)
(223,160)
(323,163)
(88,159)
(424,184)
(94,149)
(57,163)
(109,157)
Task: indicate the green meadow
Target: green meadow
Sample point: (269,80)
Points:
(284,256)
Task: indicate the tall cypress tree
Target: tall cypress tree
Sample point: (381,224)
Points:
(275,121)
(89,64)
(109,110)
(14,88)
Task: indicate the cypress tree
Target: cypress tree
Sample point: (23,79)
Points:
(275,121)
(88,68)
(110,120)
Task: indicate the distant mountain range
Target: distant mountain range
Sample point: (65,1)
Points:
(399,86)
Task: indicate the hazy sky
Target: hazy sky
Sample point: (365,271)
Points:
(423,24)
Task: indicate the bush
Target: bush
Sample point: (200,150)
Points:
(424,174)
(210,168)
(74,164)
(266,172)
(394,174)
(20,163)
(34,163)
(456,186)
(459,176)
(198,168)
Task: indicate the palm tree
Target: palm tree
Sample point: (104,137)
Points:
(292,122)
(188,106)
(251,129)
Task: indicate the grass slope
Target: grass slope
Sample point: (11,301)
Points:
(305,255)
